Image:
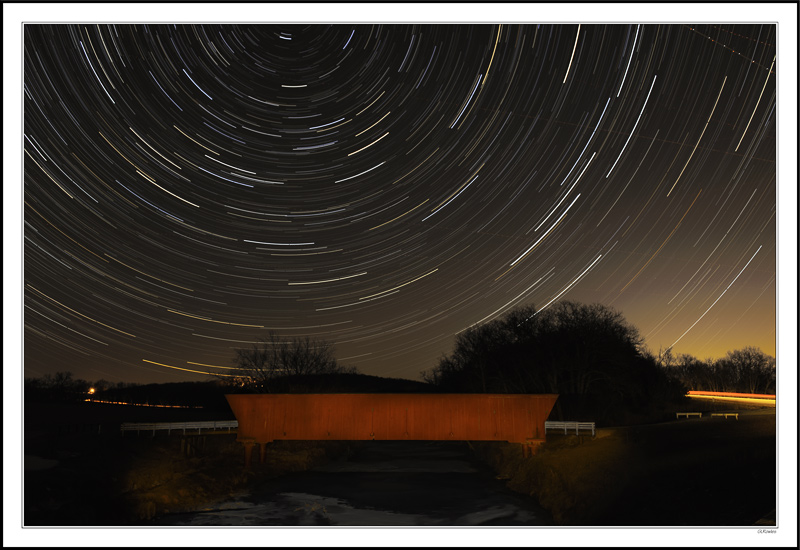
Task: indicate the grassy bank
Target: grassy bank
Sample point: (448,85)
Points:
(166,482)
(698,472)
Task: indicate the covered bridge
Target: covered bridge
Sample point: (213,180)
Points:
(516,418)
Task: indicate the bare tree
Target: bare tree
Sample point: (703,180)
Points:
(277,357)
(752,369)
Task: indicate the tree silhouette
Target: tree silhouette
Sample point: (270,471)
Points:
(56,388)
(754,370)
(588,354)
(747,370)
(275,357)
(570,348)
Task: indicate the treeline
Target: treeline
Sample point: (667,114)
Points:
(209,394)
(62,387)
(587,354)
(593,359)
(747,370)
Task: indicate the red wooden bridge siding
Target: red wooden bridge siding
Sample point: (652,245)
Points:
(517,418)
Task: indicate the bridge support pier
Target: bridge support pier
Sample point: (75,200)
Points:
(248,452)
(262,453)
(530,447)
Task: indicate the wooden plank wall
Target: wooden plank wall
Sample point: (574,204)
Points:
(515,418)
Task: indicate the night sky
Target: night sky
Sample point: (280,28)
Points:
(189,187)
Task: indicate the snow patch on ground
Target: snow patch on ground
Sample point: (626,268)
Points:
(299,509)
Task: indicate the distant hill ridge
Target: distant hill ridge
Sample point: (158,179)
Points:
(210,394)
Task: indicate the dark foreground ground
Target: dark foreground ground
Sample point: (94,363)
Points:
(697,472)
(82,472)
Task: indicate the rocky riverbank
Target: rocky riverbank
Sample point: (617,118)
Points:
(90,480)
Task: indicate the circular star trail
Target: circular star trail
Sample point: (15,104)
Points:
(188,188)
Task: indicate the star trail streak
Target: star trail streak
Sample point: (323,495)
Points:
(387,186)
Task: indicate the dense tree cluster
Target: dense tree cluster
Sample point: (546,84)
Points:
(588,354)
(747,370)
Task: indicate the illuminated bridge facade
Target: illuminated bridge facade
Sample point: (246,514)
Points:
(516,418)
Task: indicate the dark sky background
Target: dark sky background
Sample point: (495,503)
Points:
(629,165)
(189,187)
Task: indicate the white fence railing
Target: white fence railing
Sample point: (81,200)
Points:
(169,426)
(569,425)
